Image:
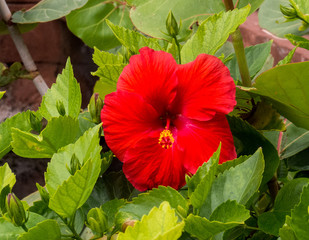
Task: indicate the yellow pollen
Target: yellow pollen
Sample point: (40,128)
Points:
(166,139)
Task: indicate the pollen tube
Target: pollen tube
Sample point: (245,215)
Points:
(166,138)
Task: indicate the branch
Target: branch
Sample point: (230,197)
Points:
(22,48)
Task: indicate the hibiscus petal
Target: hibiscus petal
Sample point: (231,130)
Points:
(201,139)
(126,119)
(148,165)
(152,75)
(205,87)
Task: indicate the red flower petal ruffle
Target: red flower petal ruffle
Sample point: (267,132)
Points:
(201,139)
(126,119)
(148,165)
(205,88)
(151,74)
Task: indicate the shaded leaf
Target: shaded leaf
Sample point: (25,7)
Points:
(66,90)
(266,118)
(300,215)
(58,133)
(204,229)
(202,189)
(47,10)
(286,88)
(213,33)
(88,23)
(23,28)
(111,208)
(287,198)
(237,183)
(247,140)
(160,223)
(256,57)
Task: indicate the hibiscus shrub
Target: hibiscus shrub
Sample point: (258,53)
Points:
(182,139)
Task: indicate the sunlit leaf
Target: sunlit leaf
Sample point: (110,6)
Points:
(160,224)
(213,33)
(47,10)
(66,90)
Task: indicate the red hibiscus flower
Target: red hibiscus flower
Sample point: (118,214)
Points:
(165,120)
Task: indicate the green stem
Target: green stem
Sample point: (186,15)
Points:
(71,227)
(24,227)
(252,228)
(239,50)
(178,46)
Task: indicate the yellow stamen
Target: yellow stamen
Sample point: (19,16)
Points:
(166,139)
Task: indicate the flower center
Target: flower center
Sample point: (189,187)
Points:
(166,138)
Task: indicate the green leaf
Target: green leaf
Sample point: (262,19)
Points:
(58,133)
(75,191)
(232,163)
(47,10)
(213,33)
(1,94)
(298,41)
(237,183)
(9,232)
(23,28)
(203,229)
(294,140)
(160,224)
(247,140)
(287,198)
(203,186)
(149,16)
(244,104)
(287,89)
(271,19)
(286,232)
(300,215)
(111,208)
(110,67)
(7,177)
(20,121)
(86,147)
(288,58)
(230,211)
(14,72)
(132,40)
(48,228)
(266,118)
(88,23)
(203,171)
(66,90)
(256,57)
(146,201)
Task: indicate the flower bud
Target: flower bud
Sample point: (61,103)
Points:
(95,106)
(288,12)
(60,107)
(74,165)
(15,210)
(97,220)
(171,25)
(35,122)
(43,193)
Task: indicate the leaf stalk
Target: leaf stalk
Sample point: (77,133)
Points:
(239,48)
